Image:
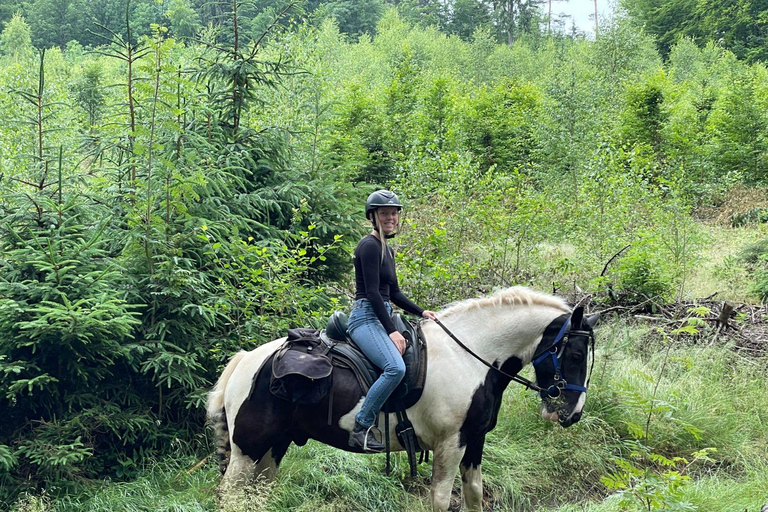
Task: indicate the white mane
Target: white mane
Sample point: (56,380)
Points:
(513,295)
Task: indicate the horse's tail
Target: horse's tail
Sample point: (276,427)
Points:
(217,416)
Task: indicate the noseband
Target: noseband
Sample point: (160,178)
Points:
(555,351)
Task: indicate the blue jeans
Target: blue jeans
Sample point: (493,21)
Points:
(368,333)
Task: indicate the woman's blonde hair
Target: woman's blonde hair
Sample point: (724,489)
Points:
(382,236)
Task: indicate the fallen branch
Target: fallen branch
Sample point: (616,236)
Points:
(197,466)
(653,318)
(605,268)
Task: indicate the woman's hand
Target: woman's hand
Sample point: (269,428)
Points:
(399,341)
(431,315)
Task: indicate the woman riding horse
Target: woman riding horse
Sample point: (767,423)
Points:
(370,325)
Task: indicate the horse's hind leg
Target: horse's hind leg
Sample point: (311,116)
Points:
(243,470)
(246,483)
(240,471)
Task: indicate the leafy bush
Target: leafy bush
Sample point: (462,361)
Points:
(642,278)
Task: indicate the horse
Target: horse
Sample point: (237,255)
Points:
(474,351)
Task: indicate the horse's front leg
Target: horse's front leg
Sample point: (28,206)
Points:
(471,475)
(445,463)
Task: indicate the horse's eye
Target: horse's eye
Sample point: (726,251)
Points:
(578,357)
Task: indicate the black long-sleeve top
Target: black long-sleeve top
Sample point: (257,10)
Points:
(377,281)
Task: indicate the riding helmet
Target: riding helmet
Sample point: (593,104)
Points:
(381,198)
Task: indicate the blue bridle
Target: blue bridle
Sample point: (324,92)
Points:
(555,353)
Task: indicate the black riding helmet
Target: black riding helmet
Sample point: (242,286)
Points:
(377,200)
(381,198)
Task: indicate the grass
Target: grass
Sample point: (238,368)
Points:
(164,486)
(719,269)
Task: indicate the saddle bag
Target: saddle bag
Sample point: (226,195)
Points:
(302,371)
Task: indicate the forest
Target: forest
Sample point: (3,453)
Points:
(180,180)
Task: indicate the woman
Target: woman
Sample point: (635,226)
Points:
(370,325)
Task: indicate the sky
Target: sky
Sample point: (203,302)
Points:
(582,12)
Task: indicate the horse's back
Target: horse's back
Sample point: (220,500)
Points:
(239,384)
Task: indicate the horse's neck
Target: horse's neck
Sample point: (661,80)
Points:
(502,331)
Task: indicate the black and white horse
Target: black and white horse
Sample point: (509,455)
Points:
(461,398)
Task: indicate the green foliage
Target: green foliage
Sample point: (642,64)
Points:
(266,286)
(739,25)
(499,126)
(643,277)
(466,17)
(65,342)
(88,92)
(652,481)
(645,117)
(761,279)
(353,17)
(751,253)
(647,479)
(16,38)
(738,122)
(755,258)
(185,21)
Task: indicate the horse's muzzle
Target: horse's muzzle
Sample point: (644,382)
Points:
(567,422)
(560,416)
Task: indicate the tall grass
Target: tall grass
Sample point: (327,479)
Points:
(165,486)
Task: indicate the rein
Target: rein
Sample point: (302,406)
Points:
(556,389)
(521,380)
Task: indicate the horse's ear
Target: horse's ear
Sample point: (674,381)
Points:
(576,317)
(591,320)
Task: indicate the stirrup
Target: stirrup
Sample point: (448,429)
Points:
(365,433)
(373,436)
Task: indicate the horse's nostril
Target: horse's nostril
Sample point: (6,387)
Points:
(576,417)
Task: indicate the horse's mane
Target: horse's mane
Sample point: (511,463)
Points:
(513,295)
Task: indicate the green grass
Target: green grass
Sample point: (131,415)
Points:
(164,486)
(720,269)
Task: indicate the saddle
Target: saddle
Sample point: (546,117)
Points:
(302,372)
(302,369)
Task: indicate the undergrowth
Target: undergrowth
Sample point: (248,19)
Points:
(702,398)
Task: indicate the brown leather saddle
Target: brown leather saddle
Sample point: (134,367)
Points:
(302,372)
(302,368)
(415,358)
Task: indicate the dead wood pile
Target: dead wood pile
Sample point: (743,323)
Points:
(701,321)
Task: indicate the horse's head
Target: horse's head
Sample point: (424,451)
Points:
(561,363)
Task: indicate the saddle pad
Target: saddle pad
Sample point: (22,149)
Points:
(301,372)
(296,362)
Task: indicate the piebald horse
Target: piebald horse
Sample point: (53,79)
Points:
(500,334)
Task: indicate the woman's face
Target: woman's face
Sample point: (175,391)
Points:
(388,217)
